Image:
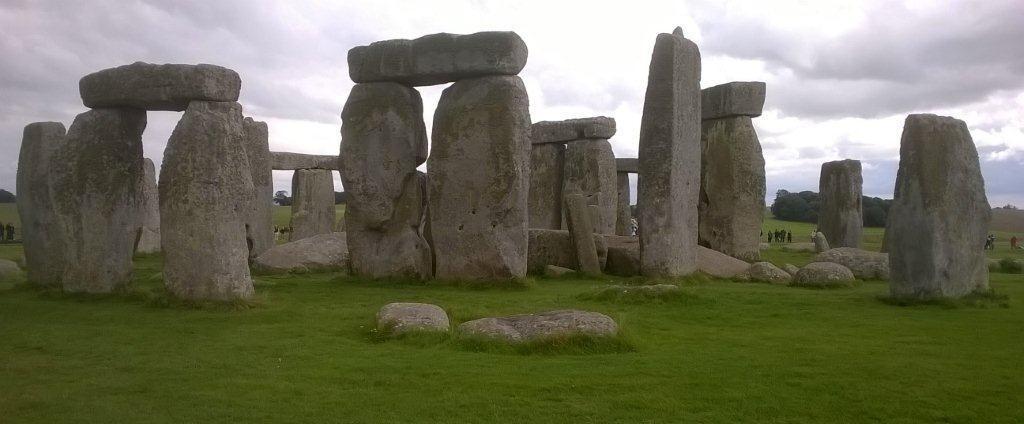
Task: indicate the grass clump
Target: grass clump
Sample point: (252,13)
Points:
(1009,266)
(977,299)
(567,344)
(635,293)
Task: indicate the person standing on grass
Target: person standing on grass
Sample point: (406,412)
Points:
(769,237)
(1013,243)
(10,231)
(789,236)
(1,230)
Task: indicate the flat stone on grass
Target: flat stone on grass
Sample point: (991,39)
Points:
(400,318)
(824,275)
(545,325)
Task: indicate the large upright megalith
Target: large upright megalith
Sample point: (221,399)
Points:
(940,214)
(623,216)
(40,233)
(384,139)
(478,177)
(97,196)
(149,212)
(312,203)
(732,184)
(206,192)
(840,211)
(259,225)
(590,172)
(547,162)
(669,159)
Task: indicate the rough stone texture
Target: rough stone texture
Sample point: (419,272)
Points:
(532,327)
(669,159)
(791,269)
(260,224)
(623,256)
(384,139)
(546,173)
(864,264)
(590,171)
(312,203)
(738,98)
(823,274)
(399,318)
(206,193)
(438,58)
(555,247)
(149,238)
(9,270)
(582,232)
(288,161)
(572,129)
(478,177)
(320,253)
(732,187)
(940,215)
(159,87)
(557,271)
(766,272)
(820,242)
(623,213)
(718,264)
(97,197)
(840,211)
(40,233)
(627,165)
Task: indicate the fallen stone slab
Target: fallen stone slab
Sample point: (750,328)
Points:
(791,269)
(823,274)
(864,264)
(541,326)
(572,129)
(718,264)
(557,271)
(400,318)
(555,247)
(623,255)
(739,98)
(627,165)
(438,58)
(319,253)
(9,270)
(40,233)
(159,87)
(288,161)
(766,272)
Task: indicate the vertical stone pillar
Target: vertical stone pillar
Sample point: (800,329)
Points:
(384,139)
(206,193)
(149,239)
(312,203)
(940,214)
(97,196)
(40,233)
(478,177)
(582,232)
(590,171)
(547,162)
(260,224)
(623,219)
(840,212)
(669,159)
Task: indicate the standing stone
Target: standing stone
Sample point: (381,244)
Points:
(40,234)
(384,139)
(260,224)
(149,239)
(940,215)
(206,193)
(312,203)
(159,87)
(669,159)
(732,187)
(546,173)
(98,196)
(478,176)
(624,217)
(590,171)
(582,231)
(820,242)
(839,215)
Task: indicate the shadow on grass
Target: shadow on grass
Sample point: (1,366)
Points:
(978,299)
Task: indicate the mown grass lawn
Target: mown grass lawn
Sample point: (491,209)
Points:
(725,352)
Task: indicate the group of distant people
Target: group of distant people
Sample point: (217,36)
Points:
(7,231)
(779,236)
(990,242)
(281,231)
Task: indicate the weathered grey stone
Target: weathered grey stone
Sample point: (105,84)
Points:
(312,203)
(801,247)
(288,161)
(582,233)
(42,237)
(206,192)
(319,253)
(738,98)
(557,271)
(623,213)
(766,272)
(568,130)
(940,215)
(820,242)
(149,212)
(383,141)
(839,215)
(864,264)
(718,264)
(623,255)
(260,224)
(533,327)
(546,174)
(791,269)
(823,274)
(97,197)
(590,171)
(9,271)
(627,165)
(401,318)
(478,177)
(438,58)
(555,247)
(159,87)
(732,187)
(669,159)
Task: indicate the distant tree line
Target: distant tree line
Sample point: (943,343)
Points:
(804,207)
(6,196)
(281,198)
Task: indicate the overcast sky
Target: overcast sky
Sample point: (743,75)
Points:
(841,76)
